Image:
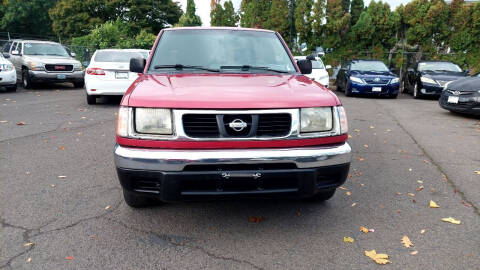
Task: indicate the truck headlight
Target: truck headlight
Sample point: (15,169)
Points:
(153,121)
(36,66)
(427,80)
(355,79)
(123,121)
(78,66)
(316,119)
(396,80)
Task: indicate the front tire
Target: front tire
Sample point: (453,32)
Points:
(134,200)
(91,100)
(26,80)
(337,87)
(393,96)
(12,88)
(323,195)
(416,93)
(348,92)
(79,84)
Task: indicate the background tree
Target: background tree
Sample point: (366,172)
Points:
(318,26)
(224,16)
(356,9)
(29,17)
(254,13)
(190,18)
(304,20)
(278,19)
(338,23)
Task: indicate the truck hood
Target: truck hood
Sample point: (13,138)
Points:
(444,76)
(227,91)
(469,84)
(51,59)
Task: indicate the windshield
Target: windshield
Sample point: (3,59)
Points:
(368,66)
(117,56)
(217,49)
(44,49)
(438,66)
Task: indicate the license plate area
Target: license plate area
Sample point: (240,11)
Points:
(453,99)
(61,76)
(376,89)
(121,75)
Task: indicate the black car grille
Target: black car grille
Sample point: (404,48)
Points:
(58,68)
(220,125)
(376,81)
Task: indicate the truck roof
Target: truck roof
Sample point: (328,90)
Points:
(217,28)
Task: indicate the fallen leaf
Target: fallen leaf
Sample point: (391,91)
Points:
(372,126)
(371,230)
(406,241)
(363,229)
(343,188)
(356,130)
(399,193)
(107,207)
(29,244)
(414,252)
(299,214)
(365,145)
(410,169)
(3,121)
(350,136)
(360,159)
(61,148)
(433,204)
(419,188)
(69,258)
(348,239)
(29,259)
(353,204)
(20,123)
(378,258)
(255,219)
(420,181)
(466,204)
(348,193)
(62,176)
(422,231)
(52,186)
(477,172)
(451,220)
(411,194)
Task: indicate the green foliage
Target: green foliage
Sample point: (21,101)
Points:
(190,18)
(304,20)
(254,13)
(224,16)
(357,8)
(278,18)
(318,27)
(73,18)
(338,23)
(28,17)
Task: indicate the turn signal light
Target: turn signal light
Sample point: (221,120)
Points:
(95,71)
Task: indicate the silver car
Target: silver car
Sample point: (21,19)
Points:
(43,61)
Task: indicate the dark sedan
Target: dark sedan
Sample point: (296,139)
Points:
(427,78)
(462,96)
(369,77)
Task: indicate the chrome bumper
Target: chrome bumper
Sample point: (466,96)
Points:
(52,76)
(175,160)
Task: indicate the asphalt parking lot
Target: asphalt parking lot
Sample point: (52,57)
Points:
(61,205)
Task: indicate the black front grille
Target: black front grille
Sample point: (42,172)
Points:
(58,68)
(375,81)
(201,125)
(227,125)
(275,125)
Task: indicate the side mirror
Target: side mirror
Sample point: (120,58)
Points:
(137,64)
(73,54)
(305,66)
(6,55)
(15,52)
(410,70)
(328,67)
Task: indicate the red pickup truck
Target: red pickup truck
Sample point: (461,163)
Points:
(224,112)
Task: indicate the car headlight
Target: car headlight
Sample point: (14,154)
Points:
(395,80)
(78,66)
(316,119)
(427,80)
(36,66)
(6,67)
(355,79)
(153,121)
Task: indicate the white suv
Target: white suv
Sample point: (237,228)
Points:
(319,70)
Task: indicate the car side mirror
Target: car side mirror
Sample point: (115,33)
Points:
(328,67)
(73,54)
(305,66)
(6,55)
(137,64)
(410,70)
(15,52)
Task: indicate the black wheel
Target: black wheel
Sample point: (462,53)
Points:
(393,96)
(136,201)
(337,87)
(323,195)
(348,92)
(92,100)
(79,84)
(26,80)
(12,88)
(416,92)
(403,87)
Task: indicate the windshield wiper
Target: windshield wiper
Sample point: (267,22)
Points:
(248,67)
(181,67)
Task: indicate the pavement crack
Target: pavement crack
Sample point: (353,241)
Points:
(476,210)
(169,239)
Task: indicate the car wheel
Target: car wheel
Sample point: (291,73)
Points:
(12,88)
(135,200)
(79,84)
(26,80)
(393,96)
(337,86)
(323,195)
(91,100)
(348,92)
(416,93)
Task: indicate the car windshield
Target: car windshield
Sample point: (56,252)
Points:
(44,49)
(368,66)
(117,56)
(438,66)
(225,50)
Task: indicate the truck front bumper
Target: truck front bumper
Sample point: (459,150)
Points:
(181,175)
(43,76)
